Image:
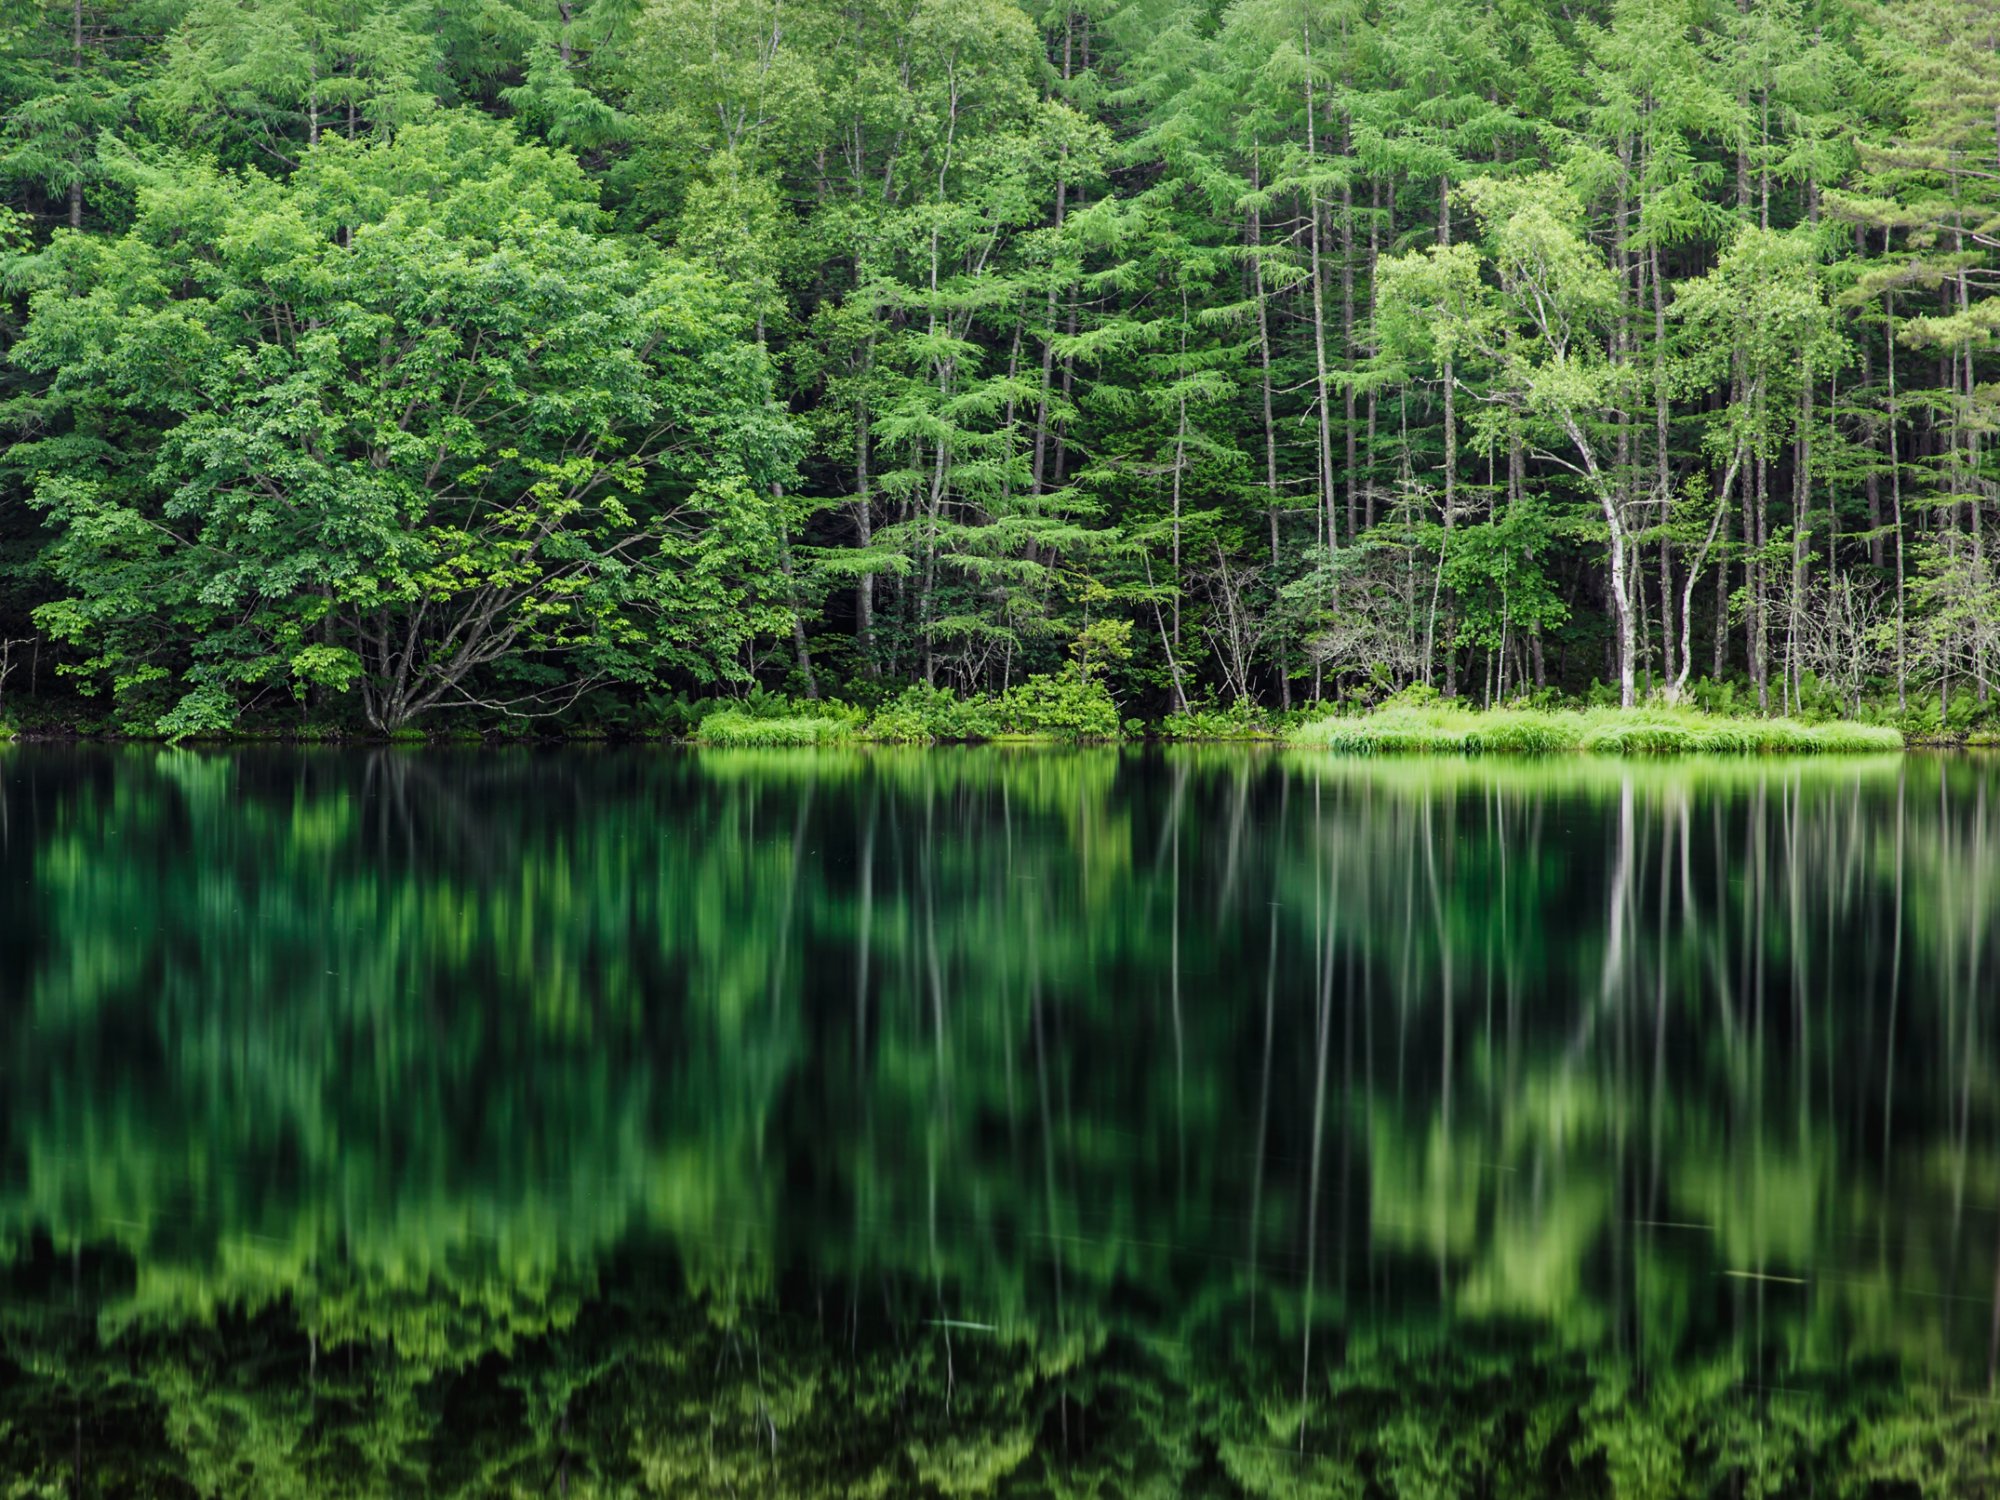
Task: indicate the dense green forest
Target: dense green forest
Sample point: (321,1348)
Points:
(368,360)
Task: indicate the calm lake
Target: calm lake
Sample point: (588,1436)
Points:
(961,1122)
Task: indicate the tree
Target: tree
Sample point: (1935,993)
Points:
(1758,322)
(409,426)
(1555,365)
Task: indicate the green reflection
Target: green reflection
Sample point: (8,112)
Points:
(997,1122)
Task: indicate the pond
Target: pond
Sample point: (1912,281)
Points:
(1098,1123)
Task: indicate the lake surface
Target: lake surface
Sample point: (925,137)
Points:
(1108,1123)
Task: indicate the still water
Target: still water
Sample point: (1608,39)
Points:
(981,1122)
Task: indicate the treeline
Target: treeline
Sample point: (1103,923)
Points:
(368,360)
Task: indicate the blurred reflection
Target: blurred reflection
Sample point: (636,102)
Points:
(986,1122)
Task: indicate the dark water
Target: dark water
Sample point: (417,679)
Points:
(972,1122)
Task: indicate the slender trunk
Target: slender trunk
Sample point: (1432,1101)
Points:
(76,82)
(1347,325)
(1180,458)
(1517,484)
(1970,486)
(1450,449)
(1721,664)
(1801,532)
(1320,377)
(1450,505)
(1256,240)
(1256,237)
(1895,496)
(1374,255)
(1037,466)
(1715,528)
(1663,478)
(1621,354)
(1621,587)
(1872,482)
(864,524)
(1736,394)
(1759,623)
(1166,639)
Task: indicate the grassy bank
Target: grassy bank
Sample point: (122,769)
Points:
(744,731)
(1445,729)
(1062,706)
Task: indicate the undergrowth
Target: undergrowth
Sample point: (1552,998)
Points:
(1438,728)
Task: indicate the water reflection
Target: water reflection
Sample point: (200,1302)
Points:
(1207,1123)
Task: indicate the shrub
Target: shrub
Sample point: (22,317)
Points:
(733,728)
(921,714)
(1236,721)
(1062,705)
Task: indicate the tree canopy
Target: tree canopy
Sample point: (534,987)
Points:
(365,364)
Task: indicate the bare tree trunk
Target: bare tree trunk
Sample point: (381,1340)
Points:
(1374,255)
(1621,585)
(1872,483)
(1256,239)
(1754,623)
(1048,343)
(1320,378)
(1715,528)
(1801,528)
(1664,472)
(1450,445)
(1347,324)
(864,520)
(1896,497)
(76,82)
(1450,502)
(1180,459)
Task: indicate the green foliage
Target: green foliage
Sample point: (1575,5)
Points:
(1234,721)
(1437,728)
(1063,705)
(533,365)
(728,727)
(922,715)
(408,419)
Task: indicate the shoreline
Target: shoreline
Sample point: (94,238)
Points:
(1388,732)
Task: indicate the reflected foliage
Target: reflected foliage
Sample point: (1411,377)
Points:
(1028,1123)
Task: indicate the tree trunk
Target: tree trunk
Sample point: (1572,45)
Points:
(1255,235)
(1347,323)
(1663,479)
(76,81)
(1716,526)
(1037,467)
(1320,377)
(1896,496)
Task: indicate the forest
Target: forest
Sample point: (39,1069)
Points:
(376,367)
